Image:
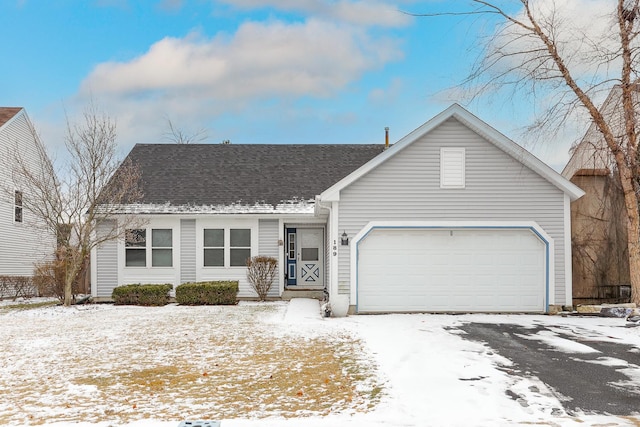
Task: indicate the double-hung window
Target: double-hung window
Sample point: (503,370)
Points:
(226,247)
(17,206)
(214,247)
(137,247)
(240,246)
(161,247)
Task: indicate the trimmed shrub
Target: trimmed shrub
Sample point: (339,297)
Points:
(261,271)
(147,295)
(207,293)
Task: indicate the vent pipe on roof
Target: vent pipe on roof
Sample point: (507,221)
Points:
(386,137)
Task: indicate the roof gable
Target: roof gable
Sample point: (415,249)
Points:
(243,174)
(7,113)
(478,126)
(592,152)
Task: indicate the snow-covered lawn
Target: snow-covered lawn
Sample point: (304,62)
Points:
(268,365)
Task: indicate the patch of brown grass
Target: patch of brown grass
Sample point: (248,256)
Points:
(224,364)
(287,377)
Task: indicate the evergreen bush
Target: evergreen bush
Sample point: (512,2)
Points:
(208,293)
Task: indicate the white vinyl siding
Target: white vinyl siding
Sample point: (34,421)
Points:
(452,167)
(268,246)
(497,188)
(187,250)
(106,262)
(27,242)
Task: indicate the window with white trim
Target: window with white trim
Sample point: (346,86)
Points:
(214,247)
(17,206)
(452,167)
(162,247)
(226,247)
(240,246)
(137,246)
(135,242)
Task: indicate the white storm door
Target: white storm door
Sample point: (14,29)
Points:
(310,263)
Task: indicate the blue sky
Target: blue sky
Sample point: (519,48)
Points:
(248,71)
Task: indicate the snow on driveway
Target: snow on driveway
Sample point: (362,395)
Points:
(429,375)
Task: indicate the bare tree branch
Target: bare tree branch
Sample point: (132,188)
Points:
(541,52)
(178,135)
(67,200)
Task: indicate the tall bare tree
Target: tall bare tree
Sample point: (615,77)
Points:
(82,195)
(179,135)
(566,64)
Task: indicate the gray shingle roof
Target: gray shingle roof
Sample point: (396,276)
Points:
(224,174)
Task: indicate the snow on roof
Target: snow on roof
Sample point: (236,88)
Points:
(287,207)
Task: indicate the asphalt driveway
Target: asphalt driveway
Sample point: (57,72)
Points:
(586,374)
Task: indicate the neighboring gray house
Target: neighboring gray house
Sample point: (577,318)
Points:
(23,239)
(454,217)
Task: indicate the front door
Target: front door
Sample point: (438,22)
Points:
(309,257)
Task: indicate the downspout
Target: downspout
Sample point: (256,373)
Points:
(326,306)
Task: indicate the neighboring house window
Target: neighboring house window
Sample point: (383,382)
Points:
(161,247)
(237,245)
(136,248)
(214,247)
(17,202)
(452,168)
(240,246)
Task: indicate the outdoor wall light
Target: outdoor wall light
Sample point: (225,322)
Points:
(344,239)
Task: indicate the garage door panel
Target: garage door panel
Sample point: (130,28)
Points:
(451,270)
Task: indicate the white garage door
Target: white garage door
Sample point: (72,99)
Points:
(435,270)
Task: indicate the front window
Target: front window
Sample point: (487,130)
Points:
(17,212)
(136,248)
(161,248)
(214,247)
(226,247)
(240,246)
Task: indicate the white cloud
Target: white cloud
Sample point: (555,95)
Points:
(261,59)
(364,12)
(195,79)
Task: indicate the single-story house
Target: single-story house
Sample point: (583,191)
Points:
(454,217)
